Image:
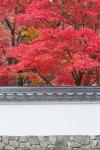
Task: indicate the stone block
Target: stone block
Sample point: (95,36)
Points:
(14,138)
(36,147)
(5,139)
(94,143)
(34,140)
(7,147)
(77,138)
(15,144)
(23,139)
(2,145)
(26,145)
(52,140)
(85,147)
(75,144)
(85,140)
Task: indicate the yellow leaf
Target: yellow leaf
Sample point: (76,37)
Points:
(25,33)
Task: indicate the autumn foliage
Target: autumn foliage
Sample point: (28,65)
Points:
(50,43)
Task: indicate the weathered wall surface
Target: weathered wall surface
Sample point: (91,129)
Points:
(50,143)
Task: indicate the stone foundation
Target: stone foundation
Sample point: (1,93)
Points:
(50,143)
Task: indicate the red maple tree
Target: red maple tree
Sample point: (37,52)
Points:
(50,42)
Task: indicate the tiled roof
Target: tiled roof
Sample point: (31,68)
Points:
(31,95)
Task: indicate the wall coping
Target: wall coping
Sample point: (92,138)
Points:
(49,95)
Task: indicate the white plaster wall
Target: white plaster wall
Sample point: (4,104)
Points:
(50,119)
